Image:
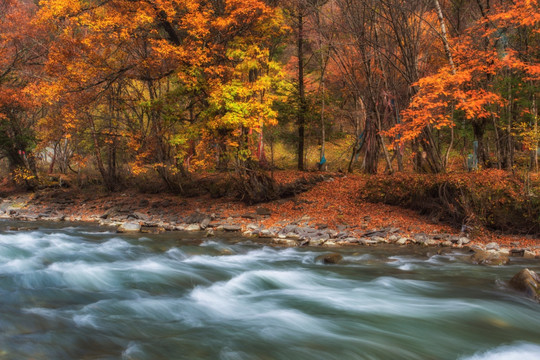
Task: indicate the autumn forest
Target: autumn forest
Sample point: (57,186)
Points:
(120,91)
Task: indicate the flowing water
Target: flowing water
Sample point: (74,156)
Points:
(85,293)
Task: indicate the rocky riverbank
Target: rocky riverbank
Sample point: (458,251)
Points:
(329,214)
(273,223)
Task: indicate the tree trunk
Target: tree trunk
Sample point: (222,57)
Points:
(301,88)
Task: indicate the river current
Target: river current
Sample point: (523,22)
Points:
(82,292)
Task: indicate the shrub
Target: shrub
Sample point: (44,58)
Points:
(492,198)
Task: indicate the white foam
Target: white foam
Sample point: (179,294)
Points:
(519,351)
(133,351)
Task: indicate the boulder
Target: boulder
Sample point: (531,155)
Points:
(195,218)
(402,241)
(265,233)
(285,242)
(330,243)
(316,242)
(528,282)
(192,227)
(204,224)
(333,258)
(489,258)
(232,228)
(129,227)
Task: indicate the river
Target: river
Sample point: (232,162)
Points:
(82,292)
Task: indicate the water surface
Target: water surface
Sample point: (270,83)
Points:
(84,293)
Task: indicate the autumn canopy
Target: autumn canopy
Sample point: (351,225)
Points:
(130,90)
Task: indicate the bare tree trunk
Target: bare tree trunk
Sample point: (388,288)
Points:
(301,88)
(444,36)
(535,142)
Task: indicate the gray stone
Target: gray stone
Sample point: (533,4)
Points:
(528,282)
(204,224)
(367,242)
(463,240)
(192,227)
(232,228)
(316,242)
(285,242)
(265,233)
(129,227)
(378,239)
(430,242)
(330,243)
(195,218)
(140,216)
(402,241)
(492,246)
(489,258)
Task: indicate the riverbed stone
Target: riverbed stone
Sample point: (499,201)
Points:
(285,242)
(204,224)
(265,233)
(333,258)
(316,242)
(367,241)
(378,239)
(430,242)
(195,218)
(527,281)
(192,227)
(489,258)
(446,243)
(330,243)
(492,246)
(129,227)
(402,241)
(232,228)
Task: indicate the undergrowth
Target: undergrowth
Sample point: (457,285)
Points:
(490,199)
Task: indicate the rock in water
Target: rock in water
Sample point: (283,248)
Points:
(333,258)
(527,281)
(129,227)
(489,258)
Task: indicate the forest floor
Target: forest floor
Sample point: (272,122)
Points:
(331,204)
